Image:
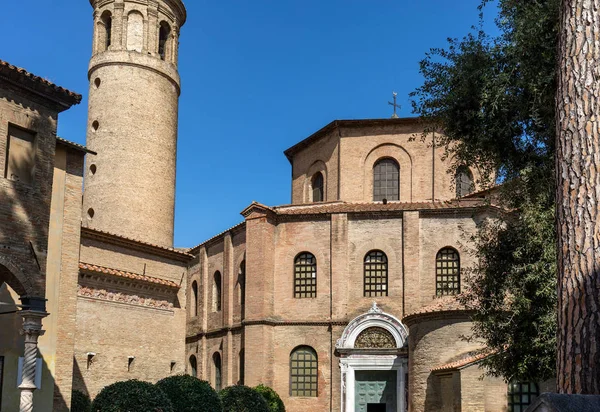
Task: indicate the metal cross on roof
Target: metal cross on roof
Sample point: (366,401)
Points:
(394,116)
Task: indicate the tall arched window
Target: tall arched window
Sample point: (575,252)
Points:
(217,365)
(164,34)
(135,31)
(305,276)
(304,372)
(242,367)
(376,274)
(194,299)
(317,187)
(193,366)
(463,181)
(216,292)
(386,180)
(104,33)
(242,283)
(521,395)
(447,272)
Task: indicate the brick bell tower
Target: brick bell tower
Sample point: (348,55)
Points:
(132,118)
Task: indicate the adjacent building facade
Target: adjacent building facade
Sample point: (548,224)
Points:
(342,300)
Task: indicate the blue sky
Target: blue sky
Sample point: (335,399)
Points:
(257,77)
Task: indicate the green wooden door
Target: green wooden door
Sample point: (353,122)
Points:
(375,387)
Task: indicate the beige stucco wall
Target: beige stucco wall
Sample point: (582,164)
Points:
(39,229)
(56,345)
(135,333)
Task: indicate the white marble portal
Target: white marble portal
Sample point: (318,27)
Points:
(370,359)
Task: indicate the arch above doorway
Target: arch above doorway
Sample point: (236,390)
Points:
(374,318)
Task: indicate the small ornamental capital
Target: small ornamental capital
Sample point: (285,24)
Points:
(375,308)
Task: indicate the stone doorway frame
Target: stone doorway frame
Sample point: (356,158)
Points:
(389,359)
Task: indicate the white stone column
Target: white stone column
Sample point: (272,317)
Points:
(32,329)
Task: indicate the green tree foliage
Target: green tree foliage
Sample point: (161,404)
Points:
(240,398)
(131,396)
(273,400)
(493,98)
(80,402)
(190,394)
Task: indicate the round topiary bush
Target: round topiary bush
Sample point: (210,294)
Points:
(240,398)
(273,400)
(131,396)
(189,394)
(80,402)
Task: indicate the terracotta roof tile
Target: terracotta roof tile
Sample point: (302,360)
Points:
(349,207)
(129,239)
(443,304)
(74,145)
(123,274)
(10,71)
(195,248)
(469,359)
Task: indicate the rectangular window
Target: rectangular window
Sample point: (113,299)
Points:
(20,155)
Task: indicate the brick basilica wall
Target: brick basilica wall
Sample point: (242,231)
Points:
(275,322)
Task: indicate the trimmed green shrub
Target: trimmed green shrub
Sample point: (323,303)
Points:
(131,396)
(80,402)
(189,394)
(273,400)
(240,398)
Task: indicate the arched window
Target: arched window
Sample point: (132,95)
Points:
(386,180)
(463,181)
(317,187)
(216,292)
(305,276)
(193,366)
(304,372)
(447,272)
(104,33)
(135,31)
(217,365)
(242,283)
(376,274)
(194,299)
(521,395)
(164,34)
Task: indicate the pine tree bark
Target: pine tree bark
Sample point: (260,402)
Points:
(578,197)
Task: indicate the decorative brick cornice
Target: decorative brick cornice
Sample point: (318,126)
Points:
(124,298)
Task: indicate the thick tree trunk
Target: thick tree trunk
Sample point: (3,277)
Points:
(578,197)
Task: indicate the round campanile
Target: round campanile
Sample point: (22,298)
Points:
(132,119)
